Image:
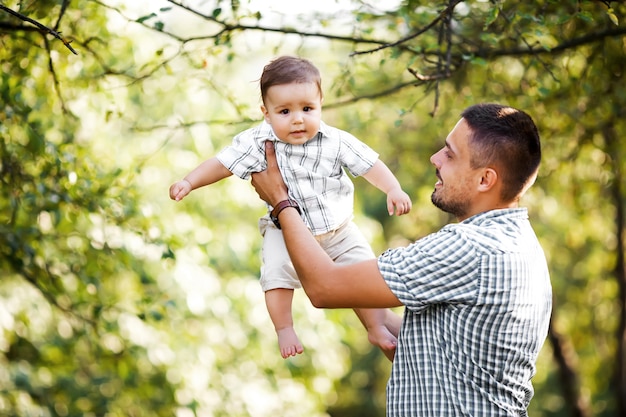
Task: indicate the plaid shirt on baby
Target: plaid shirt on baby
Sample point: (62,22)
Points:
(477,299)
(314,172)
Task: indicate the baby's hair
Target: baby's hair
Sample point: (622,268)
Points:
(287,70)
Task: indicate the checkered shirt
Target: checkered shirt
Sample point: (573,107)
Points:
(314,172)
(477,298)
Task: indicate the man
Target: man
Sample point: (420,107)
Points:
(477,293)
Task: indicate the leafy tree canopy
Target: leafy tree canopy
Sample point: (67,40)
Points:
(116,301)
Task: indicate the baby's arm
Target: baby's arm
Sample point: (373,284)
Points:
(382,178)
(208,172)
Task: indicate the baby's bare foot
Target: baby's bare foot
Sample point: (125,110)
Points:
(288,342)
(381,336)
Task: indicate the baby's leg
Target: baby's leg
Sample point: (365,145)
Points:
(278,302)
(382,327)
(348,246)
(278,279)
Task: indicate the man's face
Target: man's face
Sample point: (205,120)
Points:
(457,181)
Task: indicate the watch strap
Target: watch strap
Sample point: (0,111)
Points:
(280,207)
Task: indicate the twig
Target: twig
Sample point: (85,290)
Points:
(61,13)
(420,31)
(41,27)
(55,79)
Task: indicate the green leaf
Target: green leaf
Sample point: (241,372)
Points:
(479,61)
(612,16)
(491,16)
(146,17)
(543,91)
(586,16)
(563,18)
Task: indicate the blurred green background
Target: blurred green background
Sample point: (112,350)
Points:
(116,301)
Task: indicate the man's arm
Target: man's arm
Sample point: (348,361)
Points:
(327,284)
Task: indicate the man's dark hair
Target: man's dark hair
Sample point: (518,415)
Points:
(507,139)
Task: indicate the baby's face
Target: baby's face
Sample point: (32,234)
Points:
(294,111)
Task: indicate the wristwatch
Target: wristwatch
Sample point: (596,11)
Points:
(280,207)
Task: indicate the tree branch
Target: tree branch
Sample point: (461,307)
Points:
(611,138)
(61,13)
(55,80)
(446,12)
(227,27)
(563,46)
(565,357)
(382,93)
(41,27)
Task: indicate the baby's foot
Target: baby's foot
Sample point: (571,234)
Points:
(381,336)
(288,342)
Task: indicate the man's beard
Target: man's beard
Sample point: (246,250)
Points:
(456,207)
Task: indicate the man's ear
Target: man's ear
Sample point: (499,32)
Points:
(265,113)
(488,179)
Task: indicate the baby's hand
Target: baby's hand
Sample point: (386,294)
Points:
(179,190)
(398,201)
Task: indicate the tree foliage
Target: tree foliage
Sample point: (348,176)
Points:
(116,301)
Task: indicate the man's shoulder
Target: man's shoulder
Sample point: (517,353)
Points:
(498,230)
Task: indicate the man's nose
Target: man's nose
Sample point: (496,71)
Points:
(433,159)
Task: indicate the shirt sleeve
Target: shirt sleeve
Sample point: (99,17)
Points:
(356,156)
(244,156)
(440,268)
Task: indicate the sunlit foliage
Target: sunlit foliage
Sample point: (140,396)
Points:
(116,301)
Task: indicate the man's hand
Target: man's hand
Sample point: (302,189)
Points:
(269,184)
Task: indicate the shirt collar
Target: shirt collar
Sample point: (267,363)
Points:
(323,128)
(491,215)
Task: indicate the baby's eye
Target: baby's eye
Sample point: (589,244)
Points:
(284,111)
(307,108)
